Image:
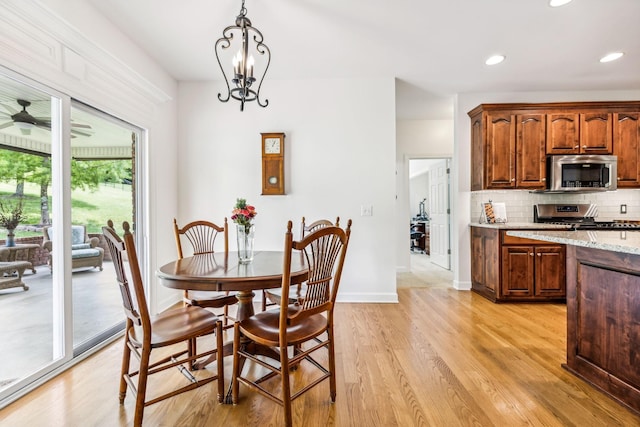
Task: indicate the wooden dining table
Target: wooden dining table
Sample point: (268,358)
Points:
(222,271)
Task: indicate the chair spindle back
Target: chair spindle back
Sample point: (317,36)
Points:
(324,251)
(201,235)
(135,305)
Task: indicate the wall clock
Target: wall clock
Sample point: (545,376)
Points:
(272,163)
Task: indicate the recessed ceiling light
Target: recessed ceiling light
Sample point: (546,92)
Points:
(495,59)
(558,3)
(611,56)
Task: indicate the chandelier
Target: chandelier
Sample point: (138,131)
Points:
(242,85)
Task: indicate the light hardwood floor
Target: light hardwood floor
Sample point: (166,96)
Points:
(438,358)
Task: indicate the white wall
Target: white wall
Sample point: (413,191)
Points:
(418,191)
(415,139)
(339,152)
(462,161)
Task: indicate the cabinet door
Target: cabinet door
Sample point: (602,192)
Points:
(501,150)
(517,271)
(596,134)
(563,133)
(626,129)
(550,271)
(530,151)
(477,153)
(485,260)
(477,261)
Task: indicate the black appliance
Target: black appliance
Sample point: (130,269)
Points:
(579,216)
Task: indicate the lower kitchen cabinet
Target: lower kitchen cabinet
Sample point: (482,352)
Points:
(523,270)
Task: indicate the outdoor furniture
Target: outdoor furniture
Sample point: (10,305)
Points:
(85,251)
(19,252)
(11,274)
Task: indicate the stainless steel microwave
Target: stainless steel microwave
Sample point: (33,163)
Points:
(582,172)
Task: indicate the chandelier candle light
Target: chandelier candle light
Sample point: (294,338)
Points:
(242,85)
(242,215)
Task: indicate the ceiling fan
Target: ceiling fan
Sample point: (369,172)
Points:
(25,121)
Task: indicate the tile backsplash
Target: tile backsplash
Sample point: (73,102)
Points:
(520,203)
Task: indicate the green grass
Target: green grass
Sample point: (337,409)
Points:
(91,208)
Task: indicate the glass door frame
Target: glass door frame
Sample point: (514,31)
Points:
(62,311)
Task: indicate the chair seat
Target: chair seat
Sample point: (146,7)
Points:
(275,295)
(174,326)
(210,299)
(264,328)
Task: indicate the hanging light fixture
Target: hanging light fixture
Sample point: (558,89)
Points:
(243,84)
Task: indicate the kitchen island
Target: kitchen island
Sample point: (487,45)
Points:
(603,308)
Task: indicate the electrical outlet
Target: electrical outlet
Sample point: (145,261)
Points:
(623,209)
(366,210)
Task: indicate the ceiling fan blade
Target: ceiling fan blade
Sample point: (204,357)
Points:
(43,124)
(45,127)
(6,125)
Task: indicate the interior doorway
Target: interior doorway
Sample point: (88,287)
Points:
(430,212)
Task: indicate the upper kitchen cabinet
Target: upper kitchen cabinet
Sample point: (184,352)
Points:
(530,151)
(507,150)
(500,146)
(510,143)
(626,133)
(579,133)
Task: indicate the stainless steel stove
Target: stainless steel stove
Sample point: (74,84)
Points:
(580,216)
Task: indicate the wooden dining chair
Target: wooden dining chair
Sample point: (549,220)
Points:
(145,333)
(202,237)
(296,325)
(274,296)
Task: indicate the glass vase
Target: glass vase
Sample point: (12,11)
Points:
(10,238)
(245,235)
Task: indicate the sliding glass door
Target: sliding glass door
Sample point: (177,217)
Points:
(102,189)
(65,169)
(30,323)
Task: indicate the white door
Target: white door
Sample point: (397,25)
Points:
(439,209)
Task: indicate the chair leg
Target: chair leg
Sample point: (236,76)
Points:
(126,360)
(264,300)
(235,385)
(220,361)
(191,350)
(332,365)
(286,387)
(142,386)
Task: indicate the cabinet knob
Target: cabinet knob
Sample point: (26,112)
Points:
(513,179)
(539,254)
(584,146)
(530,253)
(576,146)
(544,179)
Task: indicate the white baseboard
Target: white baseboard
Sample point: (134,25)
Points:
(461,286)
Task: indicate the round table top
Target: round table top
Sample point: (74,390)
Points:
(217,272)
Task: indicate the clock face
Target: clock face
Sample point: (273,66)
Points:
(272,146)
(273,180)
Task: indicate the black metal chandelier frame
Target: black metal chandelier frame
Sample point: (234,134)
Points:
(242,86)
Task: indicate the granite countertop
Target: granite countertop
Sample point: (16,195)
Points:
(523,225)
(618,241)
